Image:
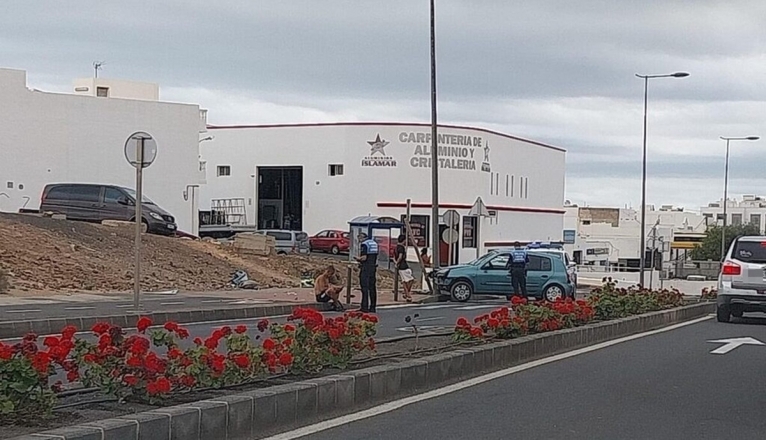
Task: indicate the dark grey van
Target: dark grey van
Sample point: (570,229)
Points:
(96,203)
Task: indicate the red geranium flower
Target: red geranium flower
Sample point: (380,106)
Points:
(143,324)
(289,328)
(286,359)
(171,326)
(104,341)
(182,333)
(101,328)
(211,343)
(462,322)
(72,375)
(159,386)
(68,332)
(269,344)
(130,380)
(263,324)
(198,341)
(134,361)
(241,329)
(90,358)
(51,341)
(493,322)
(175,353)
(188,381)
(287,342)
(242,360)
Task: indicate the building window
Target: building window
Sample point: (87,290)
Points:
(335,169)
(736,219)
(511,186)
(224,170)
(526,187)
(507,181)
(102,92)
(469,232)
(586,222)
(755,219)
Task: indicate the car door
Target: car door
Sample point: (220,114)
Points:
(539,271)
(84,203)
(319,241)
(493,277)
(114,205)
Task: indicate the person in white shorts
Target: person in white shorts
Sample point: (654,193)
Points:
(405,273)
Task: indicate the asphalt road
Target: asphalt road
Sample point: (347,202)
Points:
(664,386)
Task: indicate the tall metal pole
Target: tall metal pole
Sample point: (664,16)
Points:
(642,245)
(725,201)
(434,151)
(139,199)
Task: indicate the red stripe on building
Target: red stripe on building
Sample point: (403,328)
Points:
(466,206)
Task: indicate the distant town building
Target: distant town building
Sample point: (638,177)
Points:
(751,209)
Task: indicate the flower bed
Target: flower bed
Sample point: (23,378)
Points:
(604,303)
(150,366)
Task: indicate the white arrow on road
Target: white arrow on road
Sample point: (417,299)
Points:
(731,344)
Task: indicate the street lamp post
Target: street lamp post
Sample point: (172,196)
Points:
(642,245)
(434,152)
(726,187)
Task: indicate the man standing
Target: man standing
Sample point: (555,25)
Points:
(368,264)
(518,270)
(405,273)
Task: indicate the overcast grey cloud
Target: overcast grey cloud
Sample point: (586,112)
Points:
(556,71)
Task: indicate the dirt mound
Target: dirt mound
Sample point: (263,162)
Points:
(45,254)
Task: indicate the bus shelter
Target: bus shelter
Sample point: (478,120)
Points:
(384,230)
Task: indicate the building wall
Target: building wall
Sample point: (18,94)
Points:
(623,240)
(331,201)
(746,210)
(48,138)
(118,88)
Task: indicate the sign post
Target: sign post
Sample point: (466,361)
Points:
(479,209)
(140,152)
(451,235)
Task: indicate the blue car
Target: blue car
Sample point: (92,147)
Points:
(547,277)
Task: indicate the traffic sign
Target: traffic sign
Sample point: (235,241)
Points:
(451,218)
(450,236)
(140,148)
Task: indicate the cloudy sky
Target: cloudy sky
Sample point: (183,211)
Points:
(556,71)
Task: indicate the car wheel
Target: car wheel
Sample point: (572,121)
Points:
(722,313)
(335,250)
(281,253)
(461,291)
(144,226)
(553,293)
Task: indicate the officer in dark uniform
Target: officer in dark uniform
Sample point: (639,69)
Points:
(517,264)
(368,264)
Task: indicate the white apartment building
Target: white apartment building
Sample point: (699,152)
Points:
(751,209)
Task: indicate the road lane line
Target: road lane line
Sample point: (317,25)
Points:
(172,303)
(491,306)
(23,311)
(398,306)
(397,404)
(79,308)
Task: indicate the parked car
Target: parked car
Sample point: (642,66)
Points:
(288,242)
(96,203)
(742,282)
(560,253)
(332,241)
(547,277)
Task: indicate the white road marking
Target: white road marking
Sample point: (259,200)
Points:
(732,343)
(398,306)
(123,306)
(79,308)
(172,303)
(491,306)
(430,318)
(23,311)
(441,306)
(211,301)
(397,404)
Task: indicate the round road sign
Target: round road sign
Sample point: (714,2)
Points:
(450,236)
(140,144)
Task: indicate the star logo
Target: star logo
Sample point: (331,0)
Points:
(378,145)
(486,152)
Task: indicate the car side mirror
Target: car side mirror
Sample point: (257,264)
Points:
(124,201)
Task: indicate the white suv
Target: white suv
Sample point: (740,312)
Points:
(742,283)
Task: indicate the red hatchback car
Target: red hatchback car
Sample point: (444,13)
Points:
(332,241)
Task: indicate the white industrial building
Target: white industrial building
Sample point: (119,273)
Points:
(79,137)
(312,177)
(611,236)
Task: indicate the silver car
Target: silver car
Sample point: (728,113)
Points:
(288,242)
(742,282)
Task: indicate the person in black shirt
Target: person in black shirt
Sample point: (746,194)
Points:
(368,264)
(405,273)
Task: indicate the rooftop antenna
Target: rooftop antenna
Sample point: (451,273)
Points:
(98,65)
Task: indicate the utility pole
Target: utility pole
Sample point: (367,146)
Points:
(97,65)
(434,152)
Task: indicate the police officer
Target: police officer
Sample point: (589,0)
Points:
(518,269)
(368,264)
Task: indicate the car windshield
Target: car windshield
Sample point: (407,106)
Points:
(750,251)
(144,199)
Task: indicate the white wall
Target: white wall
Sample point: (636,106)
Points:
(49,138)
(118,88)
(744,208)
(330,202)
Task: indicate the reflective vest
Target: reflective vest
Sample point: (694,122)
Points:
(519,257)
(372,246)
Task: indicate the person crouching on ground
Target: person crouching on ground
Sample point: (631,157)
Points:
(405,273)
(325,291)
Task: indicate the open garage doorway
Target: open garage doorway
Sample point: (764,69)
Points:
(280,197)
